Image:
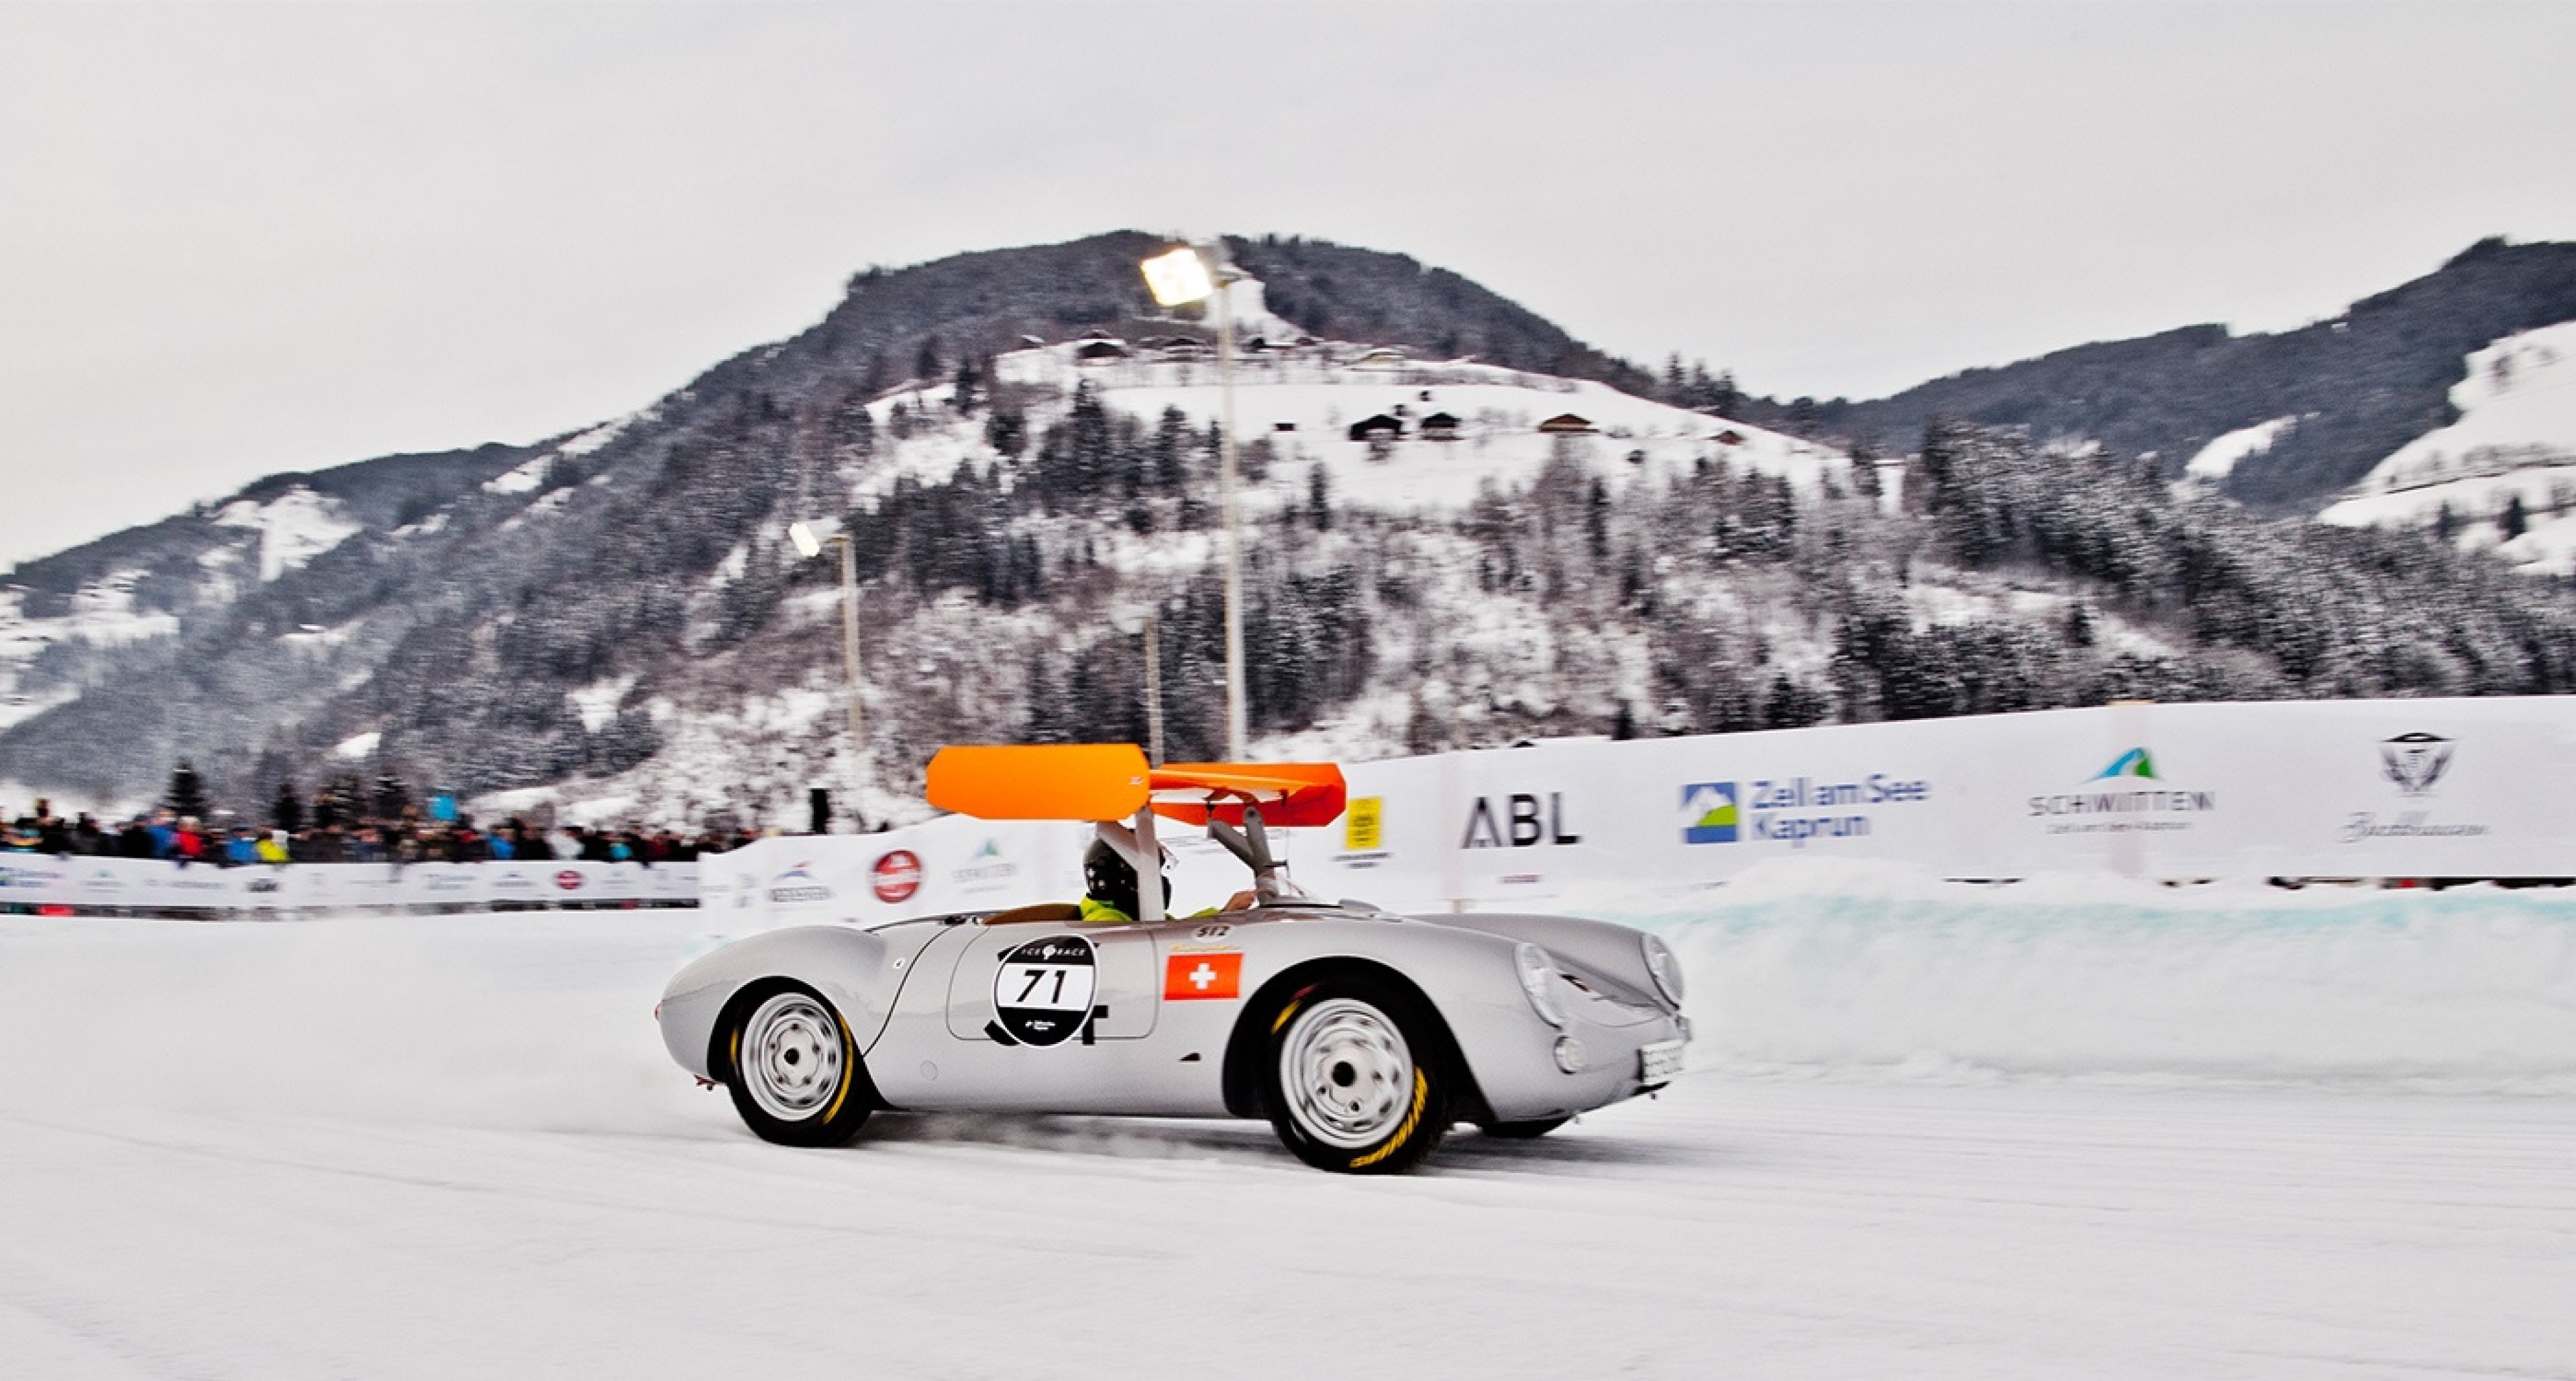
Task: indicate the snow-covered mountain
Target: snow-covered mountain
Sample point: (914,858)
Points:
(1462,527)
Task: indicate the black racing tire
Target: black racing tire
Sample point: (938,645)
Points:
(1531,1130)
(794,1073)
(1353,1077)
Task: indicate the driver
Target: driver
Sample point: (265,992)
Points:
(1109,883)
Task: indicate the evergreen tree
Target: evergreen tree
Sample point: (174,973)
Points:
(186,795)
(1007,430)
(2514,521)
(925,361)
(1319,498)
(966,386)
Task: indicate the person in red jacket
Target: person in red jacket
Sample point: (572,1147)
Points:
(188,842)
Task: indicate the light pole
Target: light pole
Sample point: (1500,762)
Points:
(1145,621)
(1189,274)
(810,543)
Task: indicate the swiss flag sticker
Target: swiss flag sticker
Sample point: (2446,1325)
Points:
(1203,973)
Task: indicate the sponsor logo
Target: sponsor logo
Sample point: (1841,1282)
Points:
(570,880)
(513,881)
(895,876)
(1042,992)
(1795,811)
(797,885)
(29,877)
(1361,822)
(1192,974)
(1520,824)
(2412,763)
(1363,833)
(1709,811)
(2416,761)
(265,885)
(448,882)
(2134,798)
(986,871)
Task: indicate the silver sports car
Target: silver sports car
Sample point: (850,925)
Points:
(1359,1034)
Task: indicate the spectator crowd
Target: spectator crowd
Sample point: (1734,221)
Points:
(403,838)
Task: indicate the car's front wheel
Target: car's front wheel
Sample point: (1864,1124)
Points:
(1354,1079)
(792,1068)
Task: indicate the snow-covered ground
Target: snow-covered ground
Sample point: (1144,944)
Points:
(1931,1131)
(2515,439)
(2220,457)
(293,528)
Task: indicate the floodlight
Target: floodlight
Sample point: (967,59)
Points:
(807,544)
(1179,277)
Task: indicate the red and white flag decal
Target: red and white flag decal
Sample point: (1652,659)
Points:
(1203,973)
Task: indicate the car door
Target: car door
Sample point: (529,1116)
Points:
(1050,1017)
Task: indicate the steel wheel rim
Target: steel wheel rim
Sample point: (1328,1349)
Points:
(1348,1074)
(791,1056)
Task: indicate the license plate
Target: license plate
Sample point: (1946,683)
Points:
(1659,1063)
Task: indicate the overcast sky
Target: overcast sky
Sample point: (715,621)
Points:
(237,239)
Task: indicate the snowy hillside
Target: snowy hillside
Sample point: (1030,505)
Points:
(2508,462)
(1462,528)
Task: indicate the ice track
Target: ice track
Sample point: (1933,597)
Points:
(452,1146)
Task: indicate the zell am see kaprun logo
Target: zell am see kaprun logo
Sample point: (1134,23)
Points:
(2124,806)
(2414,764)
(1792,810)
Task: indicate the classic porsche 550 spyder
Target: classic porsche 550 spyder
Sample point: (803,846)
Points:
(1359,1034)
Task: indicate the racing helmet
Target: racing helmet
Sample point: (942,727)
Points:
(1108,878)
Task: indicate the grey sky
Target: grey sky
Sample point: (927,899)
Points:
(237,239)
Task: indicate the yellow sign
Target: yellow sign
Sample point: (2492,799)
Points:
(1360,826)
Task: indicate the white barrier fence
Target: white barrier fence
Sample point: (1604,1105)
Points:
(2378,788)
(152,885)
(2386,788)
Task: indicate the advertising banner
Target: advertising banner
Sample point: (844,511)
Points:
(2457,788)
(151,885)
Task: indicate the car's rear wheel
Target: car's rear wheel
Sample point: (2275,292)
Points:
(792,1068)
(1354,1082)
(1525,1131)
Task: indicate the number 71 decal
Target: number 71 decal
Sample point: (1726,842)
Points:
(1043,991)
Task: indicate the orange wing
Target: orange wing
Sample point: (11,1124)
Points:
(1110,781)
(1040,781)
(1289,793)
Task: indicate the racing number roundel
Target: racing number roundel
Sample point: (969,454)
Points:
(896,876)
(1042,994)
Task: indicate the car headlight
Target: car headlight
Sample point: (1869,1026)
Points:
(1666,969)
(1536,972)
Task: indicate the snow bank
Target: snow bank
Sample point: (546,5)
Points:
(1842,971)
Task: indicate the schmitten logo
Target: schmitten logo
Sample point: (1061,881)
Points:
(2129,795)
